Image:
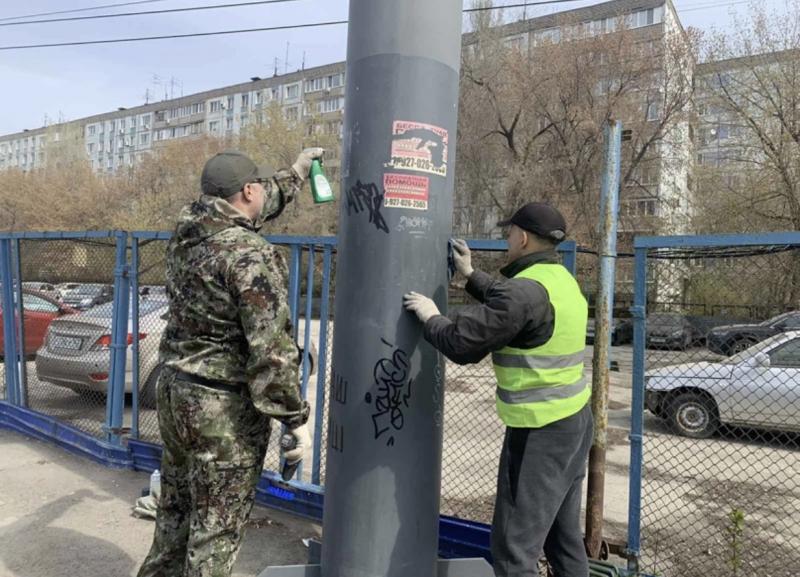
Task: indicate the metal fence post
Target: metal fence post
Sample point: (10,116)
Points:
(568,250)
(294,284)
(638,312)
(322,365)
(115,400)
(23,368)
(307,335)
(134,280)
(9,325)
(604,308)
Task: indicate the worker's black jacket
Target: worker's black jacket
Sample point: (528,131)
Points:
(513,312)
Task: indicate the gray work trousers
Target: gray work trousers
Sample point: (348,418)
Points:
(539,499)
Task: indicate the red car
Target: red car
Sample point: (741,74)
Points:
(39,310)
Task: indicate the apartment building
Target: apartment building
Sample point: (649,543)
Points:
(118,139)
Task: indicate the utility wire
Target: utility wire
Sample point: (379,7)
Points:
(248,30)
(169,36)
(219,6)
(79,10)
(147,12)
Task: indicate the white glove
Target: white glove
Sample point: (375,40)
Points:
(420,305)
(462,257)
(302,165)
(302,440)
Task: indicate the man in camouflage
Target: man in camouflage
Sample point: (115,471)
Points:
(230,365)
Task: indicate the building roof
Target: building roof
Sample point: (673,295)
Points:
(585,14)
(252,85)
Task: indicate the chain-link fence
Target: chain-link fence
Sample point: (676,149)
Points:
(310,298)
(64,339)
(719,347)
(721,454)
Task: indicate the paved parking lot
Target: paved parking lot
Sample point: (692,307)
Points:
(690,486)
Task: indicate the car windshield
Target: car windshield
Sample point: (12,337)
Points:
(106,311)
(775,320)
(748,353)
(88,290)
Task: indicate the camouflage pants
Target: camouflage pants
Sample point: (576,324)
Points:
(214,445)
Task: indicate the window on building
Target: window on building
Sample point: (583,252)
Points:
(642,207)
(516,43)
(92,130)
(331,104)
(315,84)
(160,115)
(547,36)
(293,91)
(653,111)
(144,139)
(213,126)
(275,93)
(216,105)
(245,100)
(292,113)
(144,121)
(229,104)
(90,148)
(229,124)
(259,98)
(335,80)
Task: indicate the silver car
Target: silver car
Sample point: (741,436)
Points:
(76,351)
(47,288)
(759,387)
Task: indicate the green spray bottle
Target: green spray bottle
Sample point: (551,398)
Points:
(320,187)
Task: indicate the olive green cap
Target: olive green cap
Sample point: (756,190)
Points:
(227,172)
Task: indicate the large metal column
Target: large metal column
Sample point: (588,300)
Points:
(384,442)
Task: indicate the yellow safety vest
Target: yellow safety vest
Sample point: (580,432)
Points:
(538,386)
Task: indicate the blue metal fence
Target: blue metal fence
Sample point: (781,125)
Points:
(124,441)
(684,492)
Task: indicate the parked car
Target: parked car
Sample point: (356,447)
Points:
(669,331)
(732,339)
(759,387)
(38,311)
(157,291)
(77,351)
(86,296)
(65,287)
(621,332)
(46,288)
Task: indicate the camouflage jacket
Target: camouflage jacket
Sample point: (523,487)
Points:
(228,308)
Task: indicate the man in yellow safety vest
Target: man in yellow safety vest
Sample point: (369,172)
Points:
(534,325)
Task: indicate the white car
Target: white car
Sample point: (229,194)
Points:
(759,387)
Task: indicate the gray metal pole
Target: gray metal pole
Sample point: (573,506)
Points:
(383,469)
(609,213)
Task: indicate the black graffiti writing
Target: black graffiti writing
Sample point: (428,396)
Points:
(393,394)
(437,391)
(339,385)
(369,197)
(336,436)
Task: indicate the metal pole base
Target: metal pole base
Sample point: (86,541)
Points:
(445,568)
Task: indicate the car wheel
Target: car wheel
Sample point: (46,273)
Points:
(148,395)
(740,345)
(693,415)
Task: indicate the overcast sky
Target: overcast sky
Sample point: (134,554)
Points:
(74,82)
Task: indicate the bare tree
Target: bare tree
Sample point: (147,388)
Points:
(751,106)
(534,106)
(749,159)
